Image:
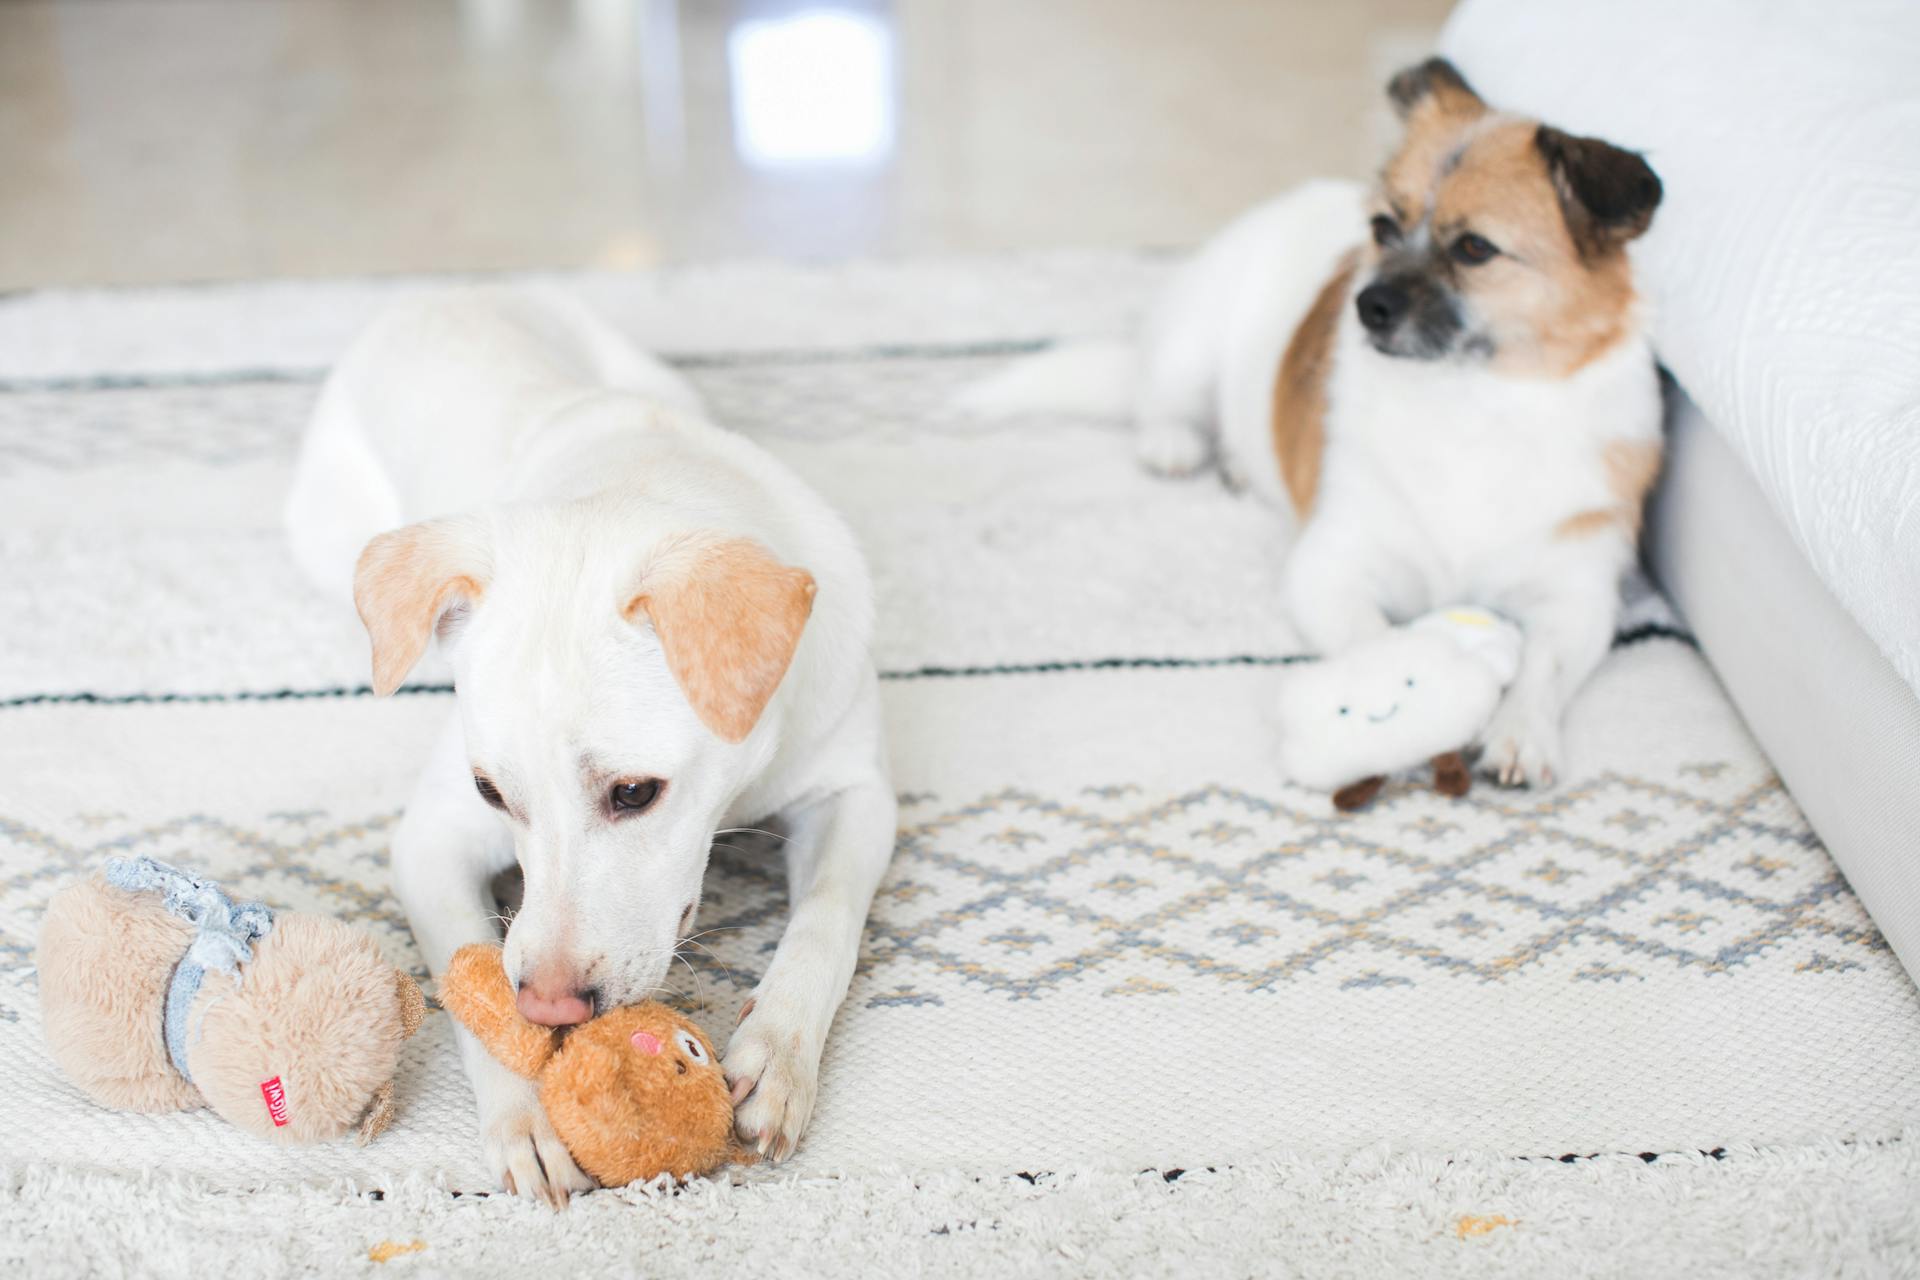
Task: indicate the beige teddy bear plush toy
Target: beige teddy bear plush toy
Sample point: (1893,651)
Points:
(158,992)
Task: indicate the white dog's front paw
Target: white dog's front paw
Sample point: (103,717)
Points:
(773,1067)
(523,1151)
(1171,448)
(1522,746)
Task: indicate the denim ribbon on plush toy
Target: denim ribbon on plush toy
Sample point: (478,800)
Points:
(225,932)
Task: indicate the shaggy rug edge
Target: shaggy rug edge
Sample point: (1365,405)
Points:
(1834,1208)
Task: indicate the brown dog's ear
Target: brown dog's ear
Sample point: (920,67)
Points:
(475,990)
(406,579)
(1607,193)
(728,616)
(1434,85)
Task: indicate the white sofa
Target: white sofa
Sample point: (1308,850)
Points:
(1784,269)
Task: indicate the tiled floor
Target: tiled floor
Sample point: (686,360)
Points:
(194,139)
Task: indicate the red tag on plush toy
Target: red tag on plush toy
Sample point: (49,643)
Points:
(276,1097)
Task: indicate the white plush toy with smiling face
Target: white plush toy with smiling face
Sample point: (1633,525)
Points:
(1412,695)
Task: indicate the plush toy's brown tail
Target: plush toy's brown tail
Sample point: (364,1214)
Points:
(475,990)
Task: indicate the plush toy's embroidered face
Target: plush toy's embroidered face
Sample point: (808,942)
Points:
(687,1045)
(679,1049)
(1396,702)
(637,1092)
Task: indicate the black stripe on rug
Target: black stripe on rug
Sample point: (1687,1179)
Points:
(1633,636)
(773,357)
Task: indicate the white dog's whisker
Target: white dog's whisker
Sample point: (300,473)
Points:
(707,933)
(699,991)
(754,831)
(708,953)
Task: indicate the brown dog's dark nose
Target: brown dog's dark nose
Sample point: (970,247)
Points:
(1381,306)
(553,998)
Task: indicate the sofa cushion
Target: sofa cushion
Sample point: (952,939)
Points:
(1784,265)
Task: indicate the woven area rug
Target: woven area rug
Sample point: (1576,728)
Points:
(1112,939)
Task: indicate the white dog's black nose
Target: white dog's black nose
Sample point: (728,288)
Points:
(1381,306)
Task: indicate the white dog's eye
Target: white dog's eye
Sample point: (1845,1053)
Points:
(488,792)
(691,1047)
(633,797)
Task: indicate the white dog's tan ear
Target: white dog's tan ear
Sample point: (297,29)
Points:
(406,579)
(729,617)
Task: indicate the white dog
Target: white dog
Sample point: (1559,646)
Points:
(657,632)
(1464,410)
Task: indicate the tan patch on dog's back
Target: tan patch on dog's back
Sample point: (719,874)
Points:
(1587,523)
(1632,467)
(1300,389)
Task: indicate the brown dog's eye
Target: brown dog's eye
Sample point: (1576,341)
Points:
(1473,250)
(1386,232)
(488,792)
(632,797)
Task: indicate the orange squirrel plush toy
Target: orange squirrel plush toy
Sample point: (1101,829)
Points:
(635,1093)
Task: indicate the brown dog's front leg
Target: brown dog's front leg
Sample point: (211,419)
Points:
(1451,777)
(1357,795)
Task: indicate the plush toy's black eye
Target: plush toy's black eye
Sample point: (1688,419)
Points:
(632,797)
(1386,232)
(1473,250)
(488,792)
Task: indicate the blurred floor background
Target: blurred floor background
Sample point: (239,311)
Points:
(165,140)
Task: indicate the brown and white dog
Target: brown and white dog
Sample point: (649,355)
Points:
(1461,408)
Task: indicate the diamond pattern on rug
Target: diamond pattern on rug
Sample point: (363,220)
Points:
(1020,894)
